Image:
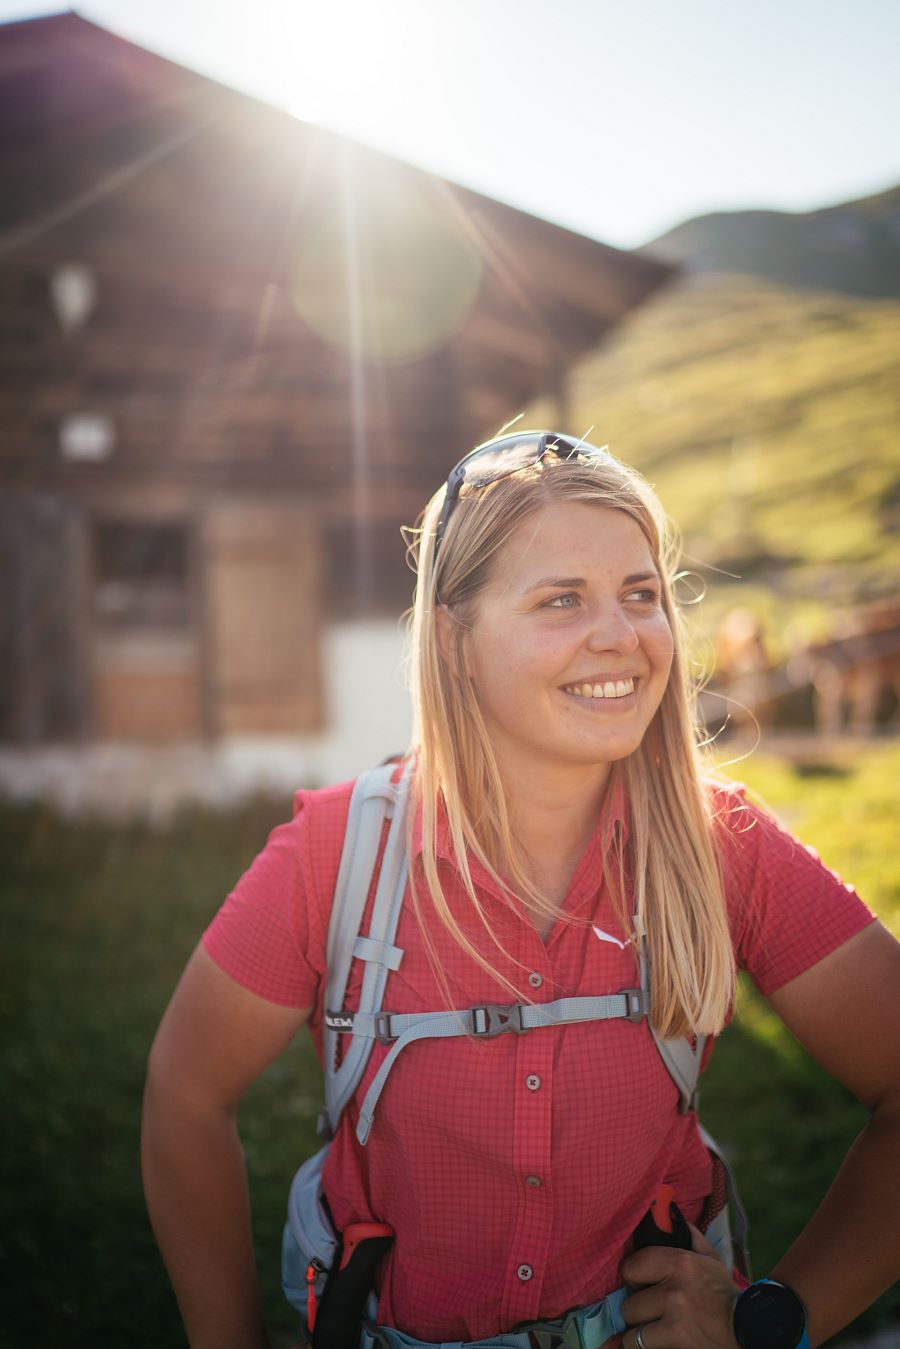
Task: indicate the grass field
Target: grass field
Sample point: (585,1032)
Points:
(99,920)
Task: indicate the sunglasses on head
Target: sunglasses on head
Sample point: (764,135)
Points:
(503,457)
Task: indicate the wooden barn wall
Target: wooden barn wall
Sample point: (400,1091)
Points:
(263,583)
(44,682)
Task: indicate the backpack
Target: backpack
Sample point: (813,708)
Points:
(310,1240)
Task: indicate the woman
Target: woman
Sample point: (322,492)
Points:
(560,810)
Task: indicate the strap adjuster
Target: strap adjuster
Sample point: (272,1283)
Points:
(493,1019)
(383,1028)
(634,1004)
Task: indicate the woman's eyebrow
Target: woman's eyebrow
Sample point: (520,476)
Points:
(579,582)
(568,582)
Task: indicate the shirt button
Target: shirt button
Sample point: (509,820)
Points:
(524,1272)
(535,979)
(534,1181)
(532,1082)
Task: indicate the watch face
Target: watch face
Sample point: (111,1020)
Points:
(769,1316)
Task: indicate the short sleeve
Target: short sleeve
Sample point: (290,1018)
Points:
(269,935)
(787,910)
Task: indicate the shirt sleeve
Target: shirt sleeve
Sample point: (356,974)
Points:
(269,935)
(787,910)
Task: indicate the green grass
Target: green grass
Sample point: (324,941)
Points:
(785,1123)
(99,920)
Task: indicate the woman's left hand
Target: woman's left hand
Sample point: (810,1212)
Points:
(681,1299)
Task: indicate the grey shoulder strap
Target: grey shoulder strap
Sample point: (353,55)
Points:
(681,1057)
(375,798)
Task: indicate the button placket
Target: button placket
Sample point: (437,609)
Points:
(531,1231)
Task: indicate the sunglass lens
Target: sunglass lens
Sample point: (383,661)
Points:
(508,457)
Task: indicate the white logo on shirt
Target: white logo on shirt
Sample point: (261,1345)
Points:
(608,936)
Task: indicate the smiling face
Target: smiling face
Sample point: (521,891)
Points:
(570,650)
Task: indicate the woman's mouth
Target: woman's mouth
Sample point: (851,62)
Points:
(608,688)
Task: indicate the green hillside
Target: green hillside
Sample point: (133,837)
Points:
(853,247)
(769,421)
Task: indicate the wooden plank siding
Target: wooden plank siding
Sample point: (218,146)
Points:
(263,584)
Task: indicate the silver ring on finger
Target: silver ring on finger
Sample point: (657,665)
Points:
(639,1335)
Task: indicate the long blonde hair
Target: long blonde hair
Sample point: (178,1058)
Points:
(669,863)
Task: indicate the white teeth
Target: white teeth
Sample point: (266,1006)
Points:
(618,688)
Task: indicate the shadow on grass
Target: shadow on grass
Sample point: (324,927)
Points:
(100,921)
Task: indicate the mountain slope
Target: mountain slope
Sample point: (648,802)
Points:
(853,248)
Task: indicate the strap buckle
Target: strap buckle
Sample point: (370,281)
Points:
(382,1023)
(562,1333)
(493,1019)
(634,1004)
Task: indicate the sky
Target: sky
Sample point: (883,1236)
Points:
(616,119)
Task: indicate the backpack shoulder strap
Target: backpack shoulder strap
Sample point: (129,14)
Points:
(375,798)
(682,1057)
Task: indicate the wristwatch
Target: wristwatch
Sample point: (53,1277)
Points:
(769,1315)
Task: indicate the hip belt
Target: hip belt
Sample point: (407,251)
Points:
(584,1328)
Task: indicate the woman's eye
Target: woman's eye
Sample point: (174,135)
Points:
(643,596)
(562,602)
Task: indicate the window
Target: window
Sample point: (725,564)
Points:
(141,575)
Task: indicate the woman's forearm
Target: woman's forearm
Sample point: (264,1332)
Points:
(849,1252)
(195,1183)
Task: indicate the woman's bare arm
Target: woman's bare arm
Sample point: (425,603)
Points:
(846,1011)
(214,1040)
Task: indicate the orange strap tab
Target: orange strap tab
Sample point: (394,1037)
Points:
(661,1207)
(354,1233)
(311,1305)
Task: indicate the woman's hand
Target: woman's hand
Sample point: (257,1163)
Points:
(682,1299)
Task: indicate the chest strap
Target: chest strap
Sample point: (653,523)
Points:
(399,1029)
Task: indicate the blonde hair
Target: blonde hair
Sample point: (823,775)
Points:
(670,859)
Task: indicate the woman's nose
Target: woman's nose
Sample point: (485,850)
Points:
(612,630)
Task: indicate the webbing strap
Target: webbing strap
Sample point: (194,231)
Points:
(491,1019)
(382,952)
(740,1227)
(586,1328)
(374,798)
(681,1057)
(486,1021)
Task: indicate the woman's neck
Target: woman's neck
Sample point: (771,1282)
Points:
(554,821)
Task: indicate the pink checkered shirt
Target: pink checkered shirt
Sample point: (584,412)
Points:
(514,1170)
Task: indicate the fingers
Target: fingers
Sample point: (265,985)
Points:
(647,1305)
(700,1244)
(653,1264)
(686,1301)
(641,1336)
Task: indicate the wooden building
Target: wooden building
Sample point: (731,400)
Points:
(237,353)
